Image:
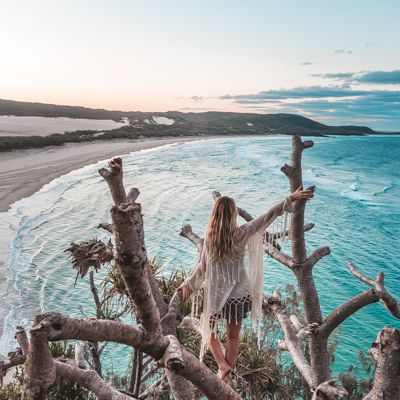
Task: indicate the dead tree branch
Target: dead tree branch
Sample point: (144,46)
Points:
(40,371)
(107,227)
(292,343)
(90,380)
(329,391)
(386,383)
(188,233)
(347,309)
(113,177)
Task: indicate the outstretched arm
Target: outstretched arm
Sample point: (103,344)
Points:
(264,220)
(196,278)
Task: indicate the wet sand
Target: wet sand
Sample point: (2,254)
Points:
(24,172)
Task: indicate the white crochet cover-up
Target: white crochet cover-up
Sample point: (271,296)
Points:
(233,282)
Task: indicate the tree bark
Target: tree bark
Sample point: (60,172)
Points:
(40,371)
(329,391)
(319,359)
(386,385)
(377,293)
(90,380)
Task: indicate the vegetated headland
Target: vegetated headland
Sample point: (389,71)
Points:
(164,124)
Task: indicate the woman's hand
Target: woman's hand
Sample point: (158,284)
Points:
(184,288)
(300,193)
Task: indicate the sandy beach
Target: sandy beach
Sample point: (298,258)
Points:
(24,172)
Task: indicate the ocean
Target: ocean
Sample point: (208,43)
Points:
(356,210)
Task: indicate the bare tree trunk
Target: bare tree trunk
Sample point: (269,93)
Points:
(303,270)
(40,371)
(386,351)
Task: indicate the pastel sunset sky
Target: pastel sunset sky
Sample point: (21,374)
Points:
(334,61)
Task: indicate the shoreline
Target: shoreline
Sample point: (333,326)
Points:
(24,172)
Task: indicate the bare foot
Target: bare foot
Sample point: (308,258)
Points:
(223,373)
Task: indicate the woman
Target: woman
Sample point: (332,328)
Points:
(230,272)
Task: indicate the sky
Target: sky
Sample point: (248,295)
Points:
(337,62)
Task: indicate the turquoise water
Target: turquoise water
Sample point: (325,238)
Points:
(356,211)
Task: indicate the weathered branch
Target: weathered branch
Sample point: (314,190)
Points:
(344,311)
(113,177)
(319,358)
(22,340)
(17,357)
(14,358)
(279,256)
(90,380)
(385,297)
(169,321)
(317,255)
(292,343)
(187,233)
(329,391)
(172,358)
(360,276)
(60,327)
(295,180)
(281,234)
(243,213)
(155,291)
(192,323)
(95,294)
(138,373)
(95,353)
(131,258)
(386,383)
(107,227)
(80,355)
(40,371)
(132,261)
(205,379)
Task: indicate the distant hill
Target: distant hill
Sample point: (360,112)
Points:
(22,108)
(171,123)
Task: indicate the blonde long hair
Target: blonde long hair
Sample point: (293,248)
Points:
(221,229)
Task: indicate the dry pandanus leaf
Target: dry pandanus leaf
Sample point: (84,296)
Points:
(93,253)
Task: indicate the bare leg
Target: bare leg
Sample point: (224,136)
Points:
(216,350)
(232,342)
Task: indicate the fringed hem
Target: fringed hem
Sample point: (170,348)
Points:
(233,311)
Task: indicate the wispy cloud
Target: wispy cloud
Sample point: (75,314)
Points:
(343,51)
(369,77)
(302,92)
(196,98)
(333,104)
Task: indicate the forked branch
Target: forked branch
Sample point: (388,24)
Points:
(378,292)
